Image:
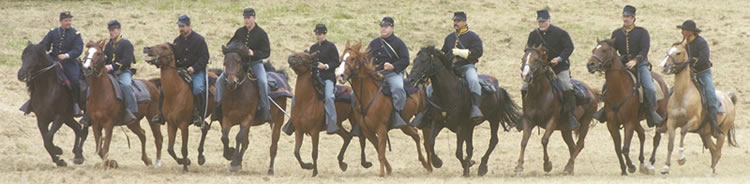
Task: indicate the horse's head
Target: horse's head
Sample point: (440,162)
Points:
(302,62)
(160,55)
(534,62)
(602,56)
(428,62)
(234,54)
(357,63)
(33,58)
(676,59)
(95,58)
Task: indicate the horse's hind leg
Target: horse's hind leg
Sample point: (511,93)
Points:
(460,139)
(77,142)
(158,140)
(414,134)
(135,127)
(715,154)
(347,138)
(201,157)
(641,156)
(315,136)
(172,135)
(494,126)
(629,129)
(568,138)
(614,131)
(657,140)
(275,133)
(185,160)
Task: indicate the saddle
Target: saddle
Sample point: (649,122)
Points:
(139,88)
(582,93)
(659,94)
(182,72)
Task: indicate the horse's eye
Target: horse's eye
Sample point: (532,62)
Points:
(678,53)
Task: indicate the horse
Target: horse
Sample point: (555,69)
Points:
(372,108)
(239,102)
(541,107)
(105,111)
(686,111)
(451,99)
(309,116)
(50,101)
(178,101)
(622,105)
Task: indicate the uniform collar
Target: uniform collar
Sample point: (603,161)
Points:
(321,43)
(117,40)
(691,38)
(629,28)
(463,30)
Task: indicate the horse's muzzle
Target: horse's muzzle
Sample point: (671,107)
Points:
(592,67)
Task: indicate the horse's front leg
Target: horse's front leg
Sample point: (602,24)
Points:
(551,126)
(524,141)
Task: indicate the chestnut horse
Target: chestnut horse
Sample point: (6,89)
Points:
(541,107)
(178,101)
(309,115)
(372,108)
(105,111)
(238,104)
(686,111)
(50,101)
(622,105)
(450,98)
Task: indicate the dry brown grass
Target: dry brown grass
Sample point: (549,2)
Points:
(503,25)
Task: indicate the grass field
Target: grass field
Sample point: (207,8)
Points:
(503,26)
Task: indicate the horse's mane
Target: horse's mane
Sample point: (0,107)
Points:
(431,50)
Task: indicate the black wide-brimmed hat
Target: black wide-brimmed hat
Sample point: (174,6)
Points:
(65,15)
(113,24)
(320,28)
(542,15)
(689,25)
(628,11)
(459,16)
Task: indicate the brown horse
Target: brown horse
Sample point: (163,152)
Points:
(541,107)
(622,105)
(452,108)
(105,111)
(238,104)
(50,101)
(686,111)
(372,108)
(309,115)
(178,101)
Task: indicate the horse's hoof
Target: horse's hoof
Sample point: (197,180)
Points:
(519,169)
(466,173)
(682,160)
(646,169)
(568,170)
(228,153)
(270,172)
(157,164)
(201,159)
(61,163)
(78,161)
(665,170)
(186,162)
(307,166)
(631,169)
(482,170)
(57,151)
(343,166)
(436,162)
(315,173)
(235,168)
(112,164)
(547,166)
(147,161)
(366,164)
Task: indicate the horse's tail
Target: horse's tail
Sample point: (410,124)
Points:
(731,133)
(510,113)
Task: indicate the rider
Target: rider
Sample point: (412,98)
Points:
(699,53)
(392,56)
(64,44)
(119,52)
(259,48)
(633,42)
(465,48)
(560,47)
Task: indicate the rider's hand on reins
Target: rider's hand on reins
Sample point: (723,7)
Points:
(388,66)
(631,64)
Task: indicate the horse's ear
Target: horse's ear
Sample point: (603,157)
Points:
(611,42)
(347,44)
(597,40)
(223,49)
(29,44)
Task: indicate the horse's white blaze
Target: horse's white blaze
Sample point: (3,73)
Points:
(664,62)
(341,68)
(87,63)
(598,46)
(526,67)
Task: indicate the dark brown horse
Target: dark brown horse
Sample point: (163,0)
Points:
(178,101)
(372,108)
(50,101)
(451,100)
(542,108)
(238,104)
(309,115)
(622,106)
(105,111)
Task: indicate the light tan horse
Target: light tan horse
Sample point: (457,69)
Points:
(686,111)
